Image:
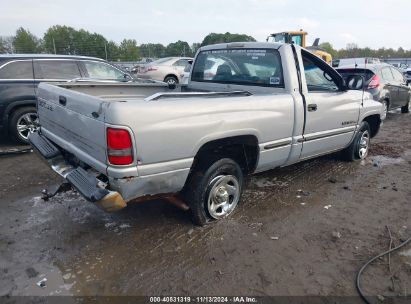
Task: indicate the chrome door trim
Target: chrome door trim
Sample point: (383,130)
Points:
(276,144)
(328,133)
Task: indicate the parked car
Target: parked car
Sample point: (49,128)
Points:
(407,75)
(353,61)
(384,82)
(268,105)
(167,69)
(21,74)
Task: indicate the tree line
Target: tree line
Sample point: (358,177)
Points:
(352,50)
(65,40)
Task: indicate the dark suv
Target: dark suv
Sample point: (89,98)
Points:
(21,74)
(385,82)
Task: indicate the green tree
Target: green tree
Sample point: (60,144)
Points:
(195,46)
(113,52)
(326,46)
(26,42)
(152,50)
(67,40)
(60,40)
(213,38)
(6,45)
(129,50)
(179,48)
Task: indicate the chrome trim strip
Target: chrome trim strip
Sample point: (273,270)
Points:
(15,60)
(275,143)
(323,134)
(17,79)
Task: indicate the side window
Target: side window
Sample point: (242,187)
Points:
(101,70)
(56,69)
(397,75)
(317,77)
(181,63)
(296,39)
(386,74)
(17,70)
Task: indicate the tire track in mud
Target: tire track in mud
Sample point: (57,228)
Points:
(147,254)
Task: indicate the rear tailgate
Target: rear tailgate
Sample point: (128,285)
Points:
(74,121)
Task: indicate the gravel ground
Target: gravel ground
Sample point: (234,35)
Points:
(302,230)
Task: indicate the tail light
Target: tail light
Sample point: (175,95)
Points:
(374,82)
(119,147)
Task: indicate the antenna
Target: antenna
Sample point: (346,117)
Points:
(363,83)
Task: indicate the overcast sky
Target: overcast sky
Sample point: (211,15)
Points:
(377,23)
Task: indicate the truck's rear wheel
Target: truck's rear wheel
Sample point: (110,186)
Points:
(360,146)
(214,191)
(23,121)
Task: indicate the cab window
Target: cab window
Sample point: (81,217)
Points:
(17,70)
(316,76)
(254,67)
(296,39)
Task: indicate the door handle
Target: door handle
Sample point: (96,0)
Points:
(312,107)
(62,100)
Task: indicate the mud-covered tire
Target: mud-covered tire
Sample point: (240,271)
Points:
(207,183)
(21,117)
(360,146)
(406,108)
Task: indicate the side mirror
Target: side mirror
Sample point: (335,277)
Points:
(355,82)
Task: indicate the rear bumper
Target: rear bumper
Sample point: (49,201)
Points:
(86,183)
(114,194)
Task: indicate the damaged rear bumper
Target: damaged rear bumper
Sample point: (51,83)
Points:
(84,182)
(113,192)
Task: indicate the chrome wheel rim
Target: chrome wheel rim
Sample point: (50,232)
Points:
(171,81)
(364,145)
(26,124)
(223,196)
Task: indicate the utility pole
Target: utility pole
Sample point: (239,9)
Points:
(54,46)
(105,49)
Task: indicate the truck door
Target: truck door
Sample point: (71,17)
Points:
(331,113)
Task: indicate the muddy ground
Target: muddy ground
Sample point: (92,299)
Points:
(302,230)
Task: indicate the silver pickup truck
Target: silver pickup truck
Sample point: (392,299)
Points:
(248,107)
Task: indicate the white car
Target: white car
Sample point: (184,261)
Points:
(169,69)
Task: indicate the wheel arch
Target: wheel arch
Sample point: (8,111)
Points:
(171,75)
(12,107)
(374,121)
(244,149)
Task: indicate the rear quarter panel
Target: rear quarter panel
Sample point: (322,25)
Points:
(175,129)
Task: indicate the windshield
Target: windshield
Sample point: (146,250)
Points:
(258,67)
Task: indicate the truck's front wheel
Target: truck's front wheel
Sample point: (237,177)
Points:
(360,146)
(214,191)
